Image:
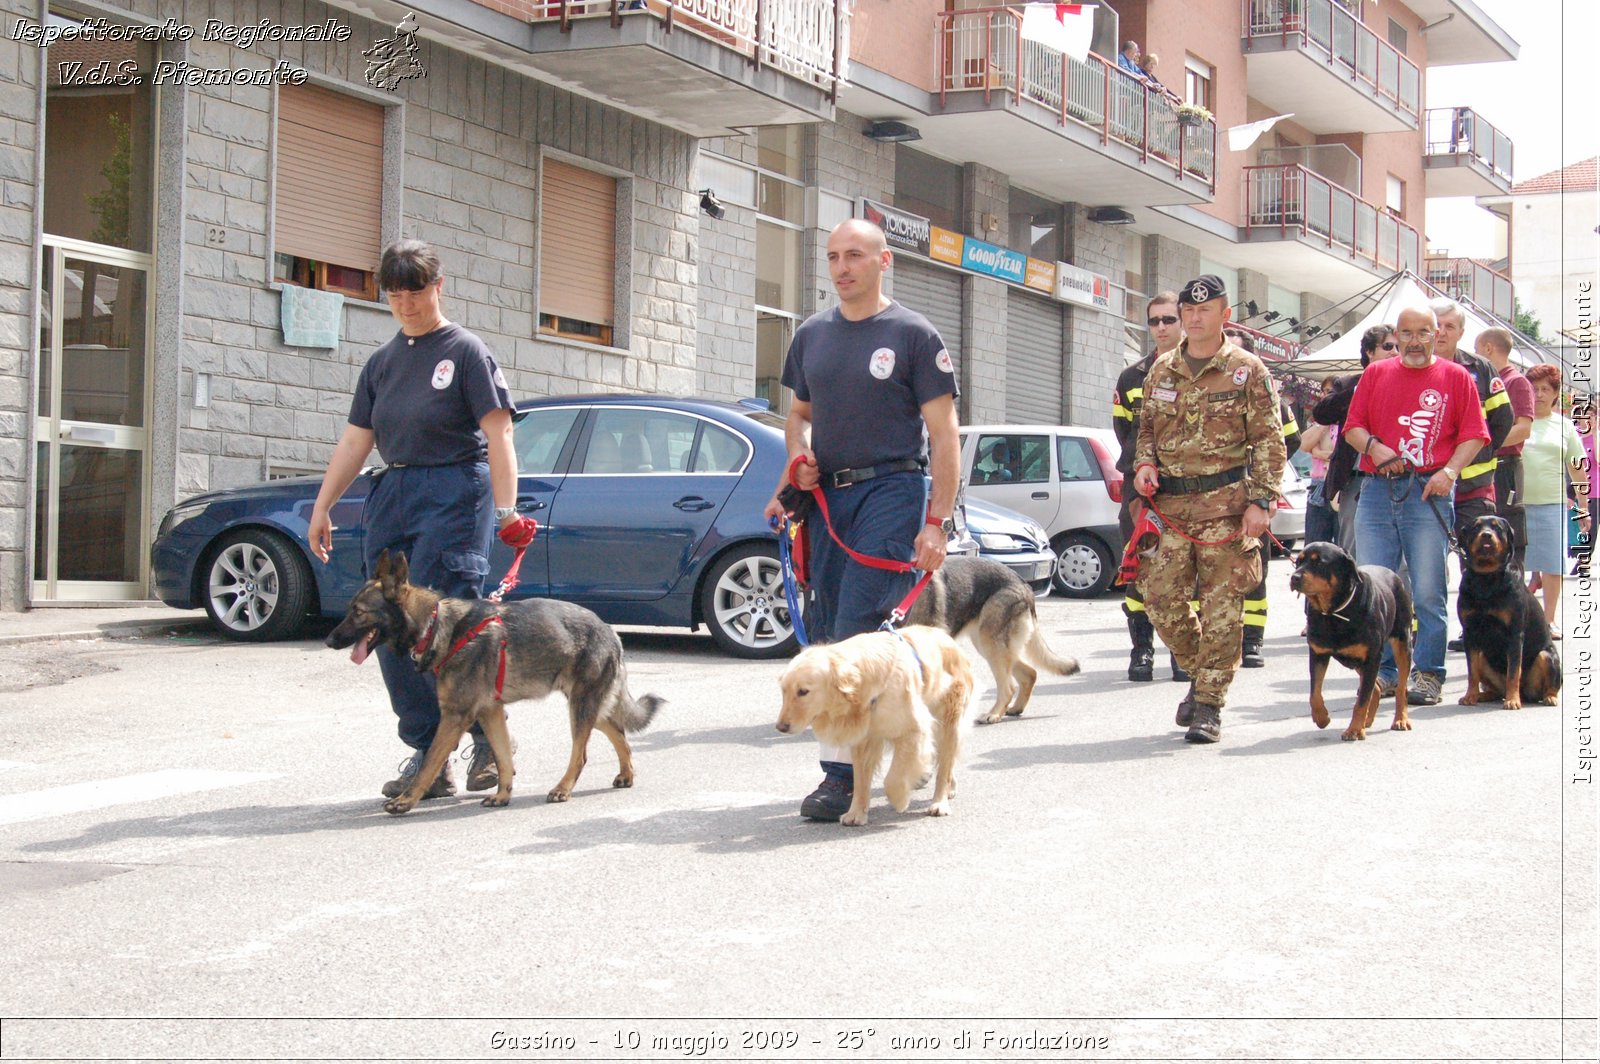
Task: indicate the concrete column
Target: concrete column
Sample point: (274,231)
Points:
(1094,338)
(985,199)
(1168,264)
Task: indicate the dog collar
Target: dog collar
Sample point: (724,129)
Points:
(1347,600)
(427,634)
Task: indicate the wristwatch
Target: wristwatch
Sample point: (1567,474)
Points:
(1265,504)
(947,525)
(503,512)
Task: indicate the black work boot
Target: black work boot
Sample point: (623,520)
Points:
(1250,657)
(483,773)
(1206,727)
(830,801)
(1179,675)
(1185,715)
(1141,661)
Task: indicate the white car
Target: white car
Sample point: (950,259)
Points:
(1065,478)
(1289,520)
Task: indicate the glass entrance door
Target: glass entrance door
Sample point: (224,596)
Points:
(90,532)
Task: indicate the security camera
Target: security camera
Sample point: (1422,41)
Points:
(711,205)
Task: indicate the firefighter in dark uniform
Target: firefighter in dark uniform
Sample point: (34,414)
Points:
(1162,315)
(1475,490)
(1255,603)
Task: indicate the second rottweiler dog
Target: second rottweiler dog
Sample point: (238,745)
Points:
(1509,652)
(1350,611)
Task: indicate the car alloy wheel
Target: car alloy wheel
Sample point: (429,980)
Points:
(257,586)
(743,603)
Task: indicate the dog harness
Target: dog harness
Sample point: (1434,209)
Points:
(427,638)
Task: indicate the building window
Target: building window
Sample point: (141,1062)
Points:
(1197,78)
(328,196)
(577,253)
(1397,36)
(1395,195)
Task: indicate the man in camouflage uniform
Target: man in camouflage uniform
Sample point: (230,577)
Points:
(1211,455)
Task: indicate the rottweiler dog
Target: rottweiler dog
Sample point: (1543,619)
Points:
(1509,652)
(1350,611)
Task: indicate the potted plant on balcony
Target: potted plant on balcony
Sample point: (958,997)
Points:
(1192,114)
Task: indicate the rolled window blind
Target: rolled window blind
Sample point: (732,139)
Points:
(577,243)
(329,204)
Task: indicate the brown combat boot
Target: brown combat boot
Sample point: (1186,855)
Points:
(1186,709)
(1206,726)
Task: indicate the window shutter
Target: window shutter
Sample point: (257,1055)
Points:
(577,243)
(329,204)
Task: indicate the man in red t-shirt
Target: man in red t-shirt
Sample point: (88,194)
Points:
(1416,421)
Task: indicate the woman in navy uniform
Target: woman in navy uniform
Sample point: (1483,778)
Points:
(435,404)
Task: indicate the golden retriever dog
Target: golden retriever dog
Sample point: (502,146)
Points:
(909,688)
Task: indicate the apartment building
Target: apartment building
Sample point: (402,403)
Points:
(635,195)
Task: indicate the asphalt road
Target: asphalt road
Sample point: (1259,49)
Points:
(195,864)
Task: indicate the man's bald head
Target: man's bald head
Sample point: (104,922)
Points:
(858,256)
(860,228)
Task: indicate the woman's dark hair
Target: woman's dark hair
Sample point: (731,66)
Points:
(1371,339)
(408,265)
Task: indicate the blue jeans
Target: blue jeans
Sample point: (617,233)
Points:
(442,517)
(1394,524)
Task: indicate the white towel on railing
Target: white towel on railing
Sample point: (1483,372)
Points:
(311,318)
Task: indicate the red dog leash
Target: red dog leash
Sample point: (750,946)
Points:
(897,614)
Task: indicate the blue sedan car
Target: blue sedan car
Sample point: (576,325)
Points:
(649,507)
(649,511)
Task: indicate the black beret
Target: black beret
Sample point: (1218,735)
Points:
(1202,289)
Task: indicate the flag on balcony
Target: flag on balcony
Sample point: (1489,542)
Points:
(1241,137)
(1067,28)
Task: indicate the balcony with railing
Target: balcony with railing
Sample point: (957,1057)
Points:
(1085,131)
(1471,281)
(1319,61)
(1466,155)
(699,66)
(1287,204)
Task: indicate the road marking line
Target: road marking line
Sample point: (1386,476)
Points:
(122,790)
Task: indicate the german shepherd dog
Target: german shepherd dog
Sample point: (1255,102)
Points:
(1509,652)
(983,599)
(486,654)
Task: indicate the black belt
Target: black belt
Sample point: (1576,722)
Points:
(1190,485)
(843,478)
(1425,473)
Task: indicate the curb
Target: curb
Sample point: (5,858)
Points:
(118,630)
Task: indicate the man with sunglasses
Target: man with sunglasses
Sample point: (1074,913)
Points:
(1417,422)
(1165,330)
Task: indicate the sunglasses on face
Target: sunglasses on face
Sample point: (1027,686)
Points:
(1164,319)
(1390,346)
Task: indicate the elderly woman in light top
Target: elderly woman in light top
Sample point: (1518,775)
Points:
(1551,458)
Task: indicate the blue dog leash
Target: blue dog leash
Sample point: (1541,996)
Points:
(791,592)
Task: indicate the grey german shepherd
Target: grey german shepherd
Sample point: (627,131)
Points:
(983,599)
(486,654)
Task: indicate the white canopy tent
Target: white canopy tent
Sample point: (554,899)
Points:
(1405,290)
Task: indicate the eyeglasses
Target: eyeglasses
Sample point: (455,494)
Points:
(1390,346)
(1164,319)
(1406,336)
